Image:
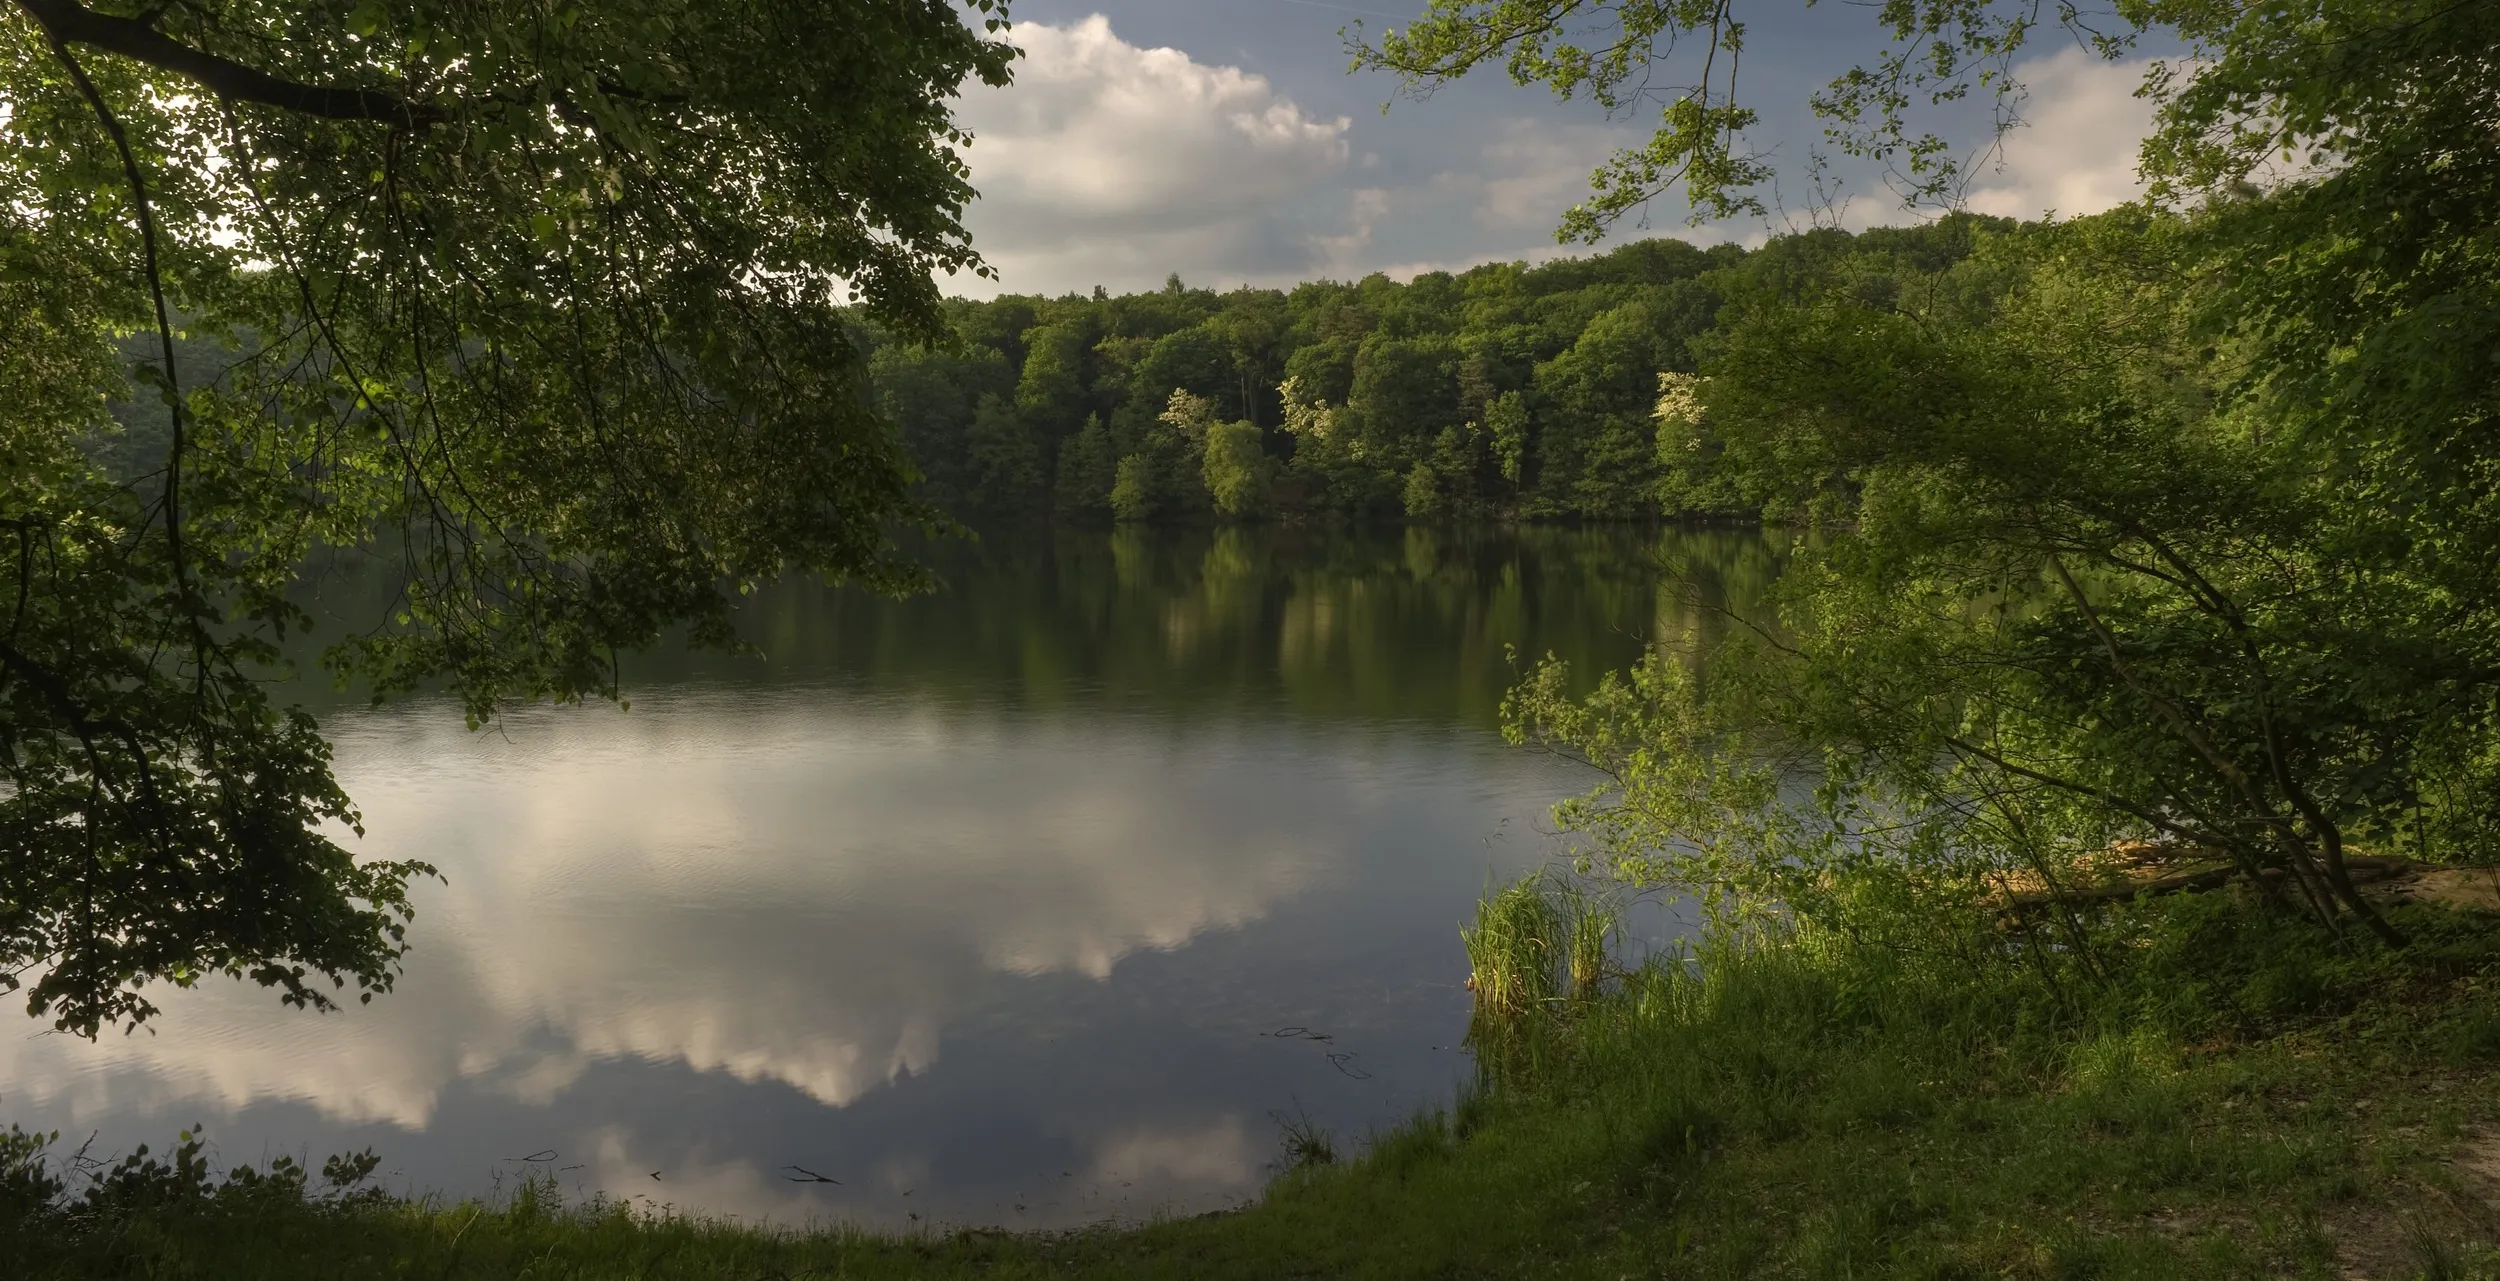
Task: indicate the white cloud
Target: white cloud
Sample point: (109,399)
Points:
(1513,195)
(1530,172)
(1345,253)
(1109,163)
(2076,153)
(1112,163)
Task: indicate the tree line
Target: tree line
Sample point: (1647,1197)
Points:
(1506,391)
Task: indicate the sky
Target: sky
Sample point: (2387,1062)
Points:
(1223,140)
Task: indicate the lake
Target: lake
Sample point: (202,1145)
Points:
(1035,901)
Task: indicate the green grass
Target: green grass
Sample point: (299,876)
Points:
(1512,962)
(2280,1107)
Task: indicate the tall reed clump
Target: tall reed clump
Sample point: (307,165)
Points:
(1513,949)
(1590,921)
(1539,940)
(1538,955)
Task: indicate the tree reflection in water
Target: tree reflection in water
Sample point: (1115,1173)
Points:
(982,897)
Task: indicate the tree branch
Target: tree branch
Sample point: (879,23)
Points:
(68,22)
(174,407)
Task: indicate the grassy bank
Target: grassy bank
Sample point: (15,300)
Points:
(2284,1107)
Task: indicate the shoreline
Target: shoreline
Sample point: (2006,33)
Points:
(1776,1111)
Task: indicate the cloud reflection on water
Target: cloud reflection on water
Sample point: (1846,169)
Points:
(779,887)
(1006,933)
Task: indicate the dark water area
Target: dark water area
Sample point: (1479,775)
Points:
(1033,901)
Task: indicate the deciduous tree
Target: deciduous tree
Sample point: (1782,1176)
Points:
(541,305)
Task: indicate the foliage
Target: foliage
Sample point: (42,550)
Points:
(1422,496)
(1505,391)
(38,1208)
(2073,591)
(2173,525)
(1007,468)
(1683,803)
(1088,470)
(541,305)
(1133,492)
(1691,475)
(1239,474)
(1506,417)
(1606,51)
(933,396)
(2320,83)
(1599,457)
(2361,291)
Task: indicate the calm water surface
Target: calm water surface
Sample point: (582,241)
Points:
(1035,901)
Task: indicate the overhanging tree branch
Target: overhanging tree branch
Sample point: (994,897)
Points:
(68,22)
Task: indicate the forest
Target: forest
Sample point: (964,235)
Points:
(1506,391)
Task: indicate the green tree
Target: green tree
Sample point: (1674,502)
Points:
(1197,360)
(1422,496)
(1692,480)
(1088,468)
(542,303)
(1253,324)
(1599,452)
(931,394)
(2070,593)
(1006,460)
(1329,463)
(1054,387)
(1506,418)
(1325,369)
(1134,491)
(1405,391)
(1238,471)
(2176,525)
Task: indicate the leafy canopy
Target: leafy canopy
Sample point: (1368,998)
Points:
(544,306)
(2251,82)
(2172,524)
